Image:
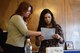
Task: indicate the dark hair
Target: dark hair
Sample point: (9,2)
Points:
(23,7)
(42,22)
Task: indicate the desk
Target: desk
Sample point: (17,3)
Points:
(67,51)
(72,51)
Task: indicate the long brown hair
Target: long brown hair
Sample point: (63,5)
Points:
(23,7)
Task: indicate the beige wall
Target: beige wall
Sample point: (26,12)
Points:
(7,8)
(66,13)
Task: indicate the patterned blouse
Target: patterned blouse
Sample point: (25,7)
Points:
(50,42)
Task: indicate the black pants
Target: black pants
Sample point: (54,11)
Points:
(12,49)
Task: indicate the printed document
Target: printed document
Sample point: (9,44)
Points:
(47,33)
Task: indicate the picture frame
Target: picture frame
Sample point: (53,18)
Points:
(69,45)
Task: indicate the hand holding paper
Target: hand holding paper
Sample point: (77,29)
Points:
(57,36)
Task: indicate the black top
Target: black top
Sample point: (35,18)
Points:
(50,42)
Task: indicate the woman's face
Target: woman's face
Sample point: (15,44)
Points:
(47,18)
(27,13)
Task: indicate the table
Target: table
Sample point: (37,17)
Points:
(71,51)
(67,51)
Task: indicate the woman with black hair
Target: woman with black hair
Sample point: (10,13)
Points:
(47,21)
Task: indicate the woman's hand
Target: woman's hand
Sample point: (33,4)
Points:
(41,38)
(57,36)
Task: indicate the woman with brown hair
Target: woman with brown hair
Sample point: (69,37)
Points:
(17,29)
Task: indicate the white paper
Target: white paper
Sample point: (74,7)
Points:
(47,33)
(54,50)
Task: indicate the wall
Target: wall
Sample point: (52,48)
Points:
(66,13)
(8,7)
